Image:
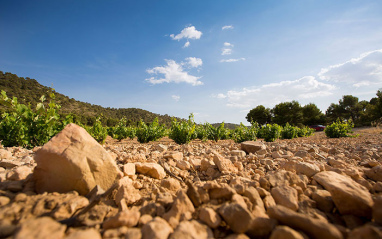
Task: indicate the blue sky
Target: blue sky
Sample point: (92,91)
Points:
(217,59)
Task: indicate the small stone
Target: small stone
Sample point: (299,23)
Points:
(183,165)
(4,200)
(366,231)
(209,217)
(158,228)
(377,209)
(285,196)
(153,170)
(19,173)
(223,164)
(129,169)
(181,209)
(126,191)
(307,169)
(253,195)
(324,200)
(174,155)
(375,173)
(5,154)
(236,216)
(128,217)
(261,227)
(87,233)
(237,236)
(284,232)
(43,227)
(192,230)
(133,233)
(252,146)
(238,153)
(171,184)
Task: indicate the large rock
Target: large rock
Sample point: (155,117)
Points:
(181,209)
(252,146)
(73,160)
(209,217)
(374,173)
(156,229)
(314,228)
(236,216)
(348,196)
(191,230)
(286,196)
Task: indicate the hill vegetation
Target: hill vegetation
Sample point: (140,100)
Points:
(29,91)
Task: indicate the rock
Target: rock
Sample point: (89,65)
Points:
(377,210)
(82,234)
(366,231)
(156,229)
(19,173)
(223,164)
(219,191)
(5,154)
(284,232)
(307,169)
(171,184)
(153,170)
(269,201)
(285,196)
(324,200)
(282,177)
(261,227)
(181,209)
(314,228)
(183,165)
(253,195)
(133,233)
(127,217)
(127,192)
(73,160)
(238,153)
(301,154)
(43,227)
(348,196)
(160,147)
(129,169)
(4,200)
(174,155)
(209,217)
(236,216)
(94,216)
(10,163)
(191,230)
(237,236)
(375,173)
(252,146)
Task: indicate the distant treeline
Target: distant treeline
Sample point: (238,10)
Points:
(29,91)
(362,113)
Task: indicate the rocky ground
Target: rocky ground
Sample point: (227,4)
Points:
(311,187)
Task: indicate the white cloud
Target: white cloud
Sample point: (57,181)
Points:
(187,44)
(188,33)
(175,97)
(227,44)
(366,70)
(269,95)
(228,27)
(194,62)
(219,96)
(233,60)
(174,73)
(226,51)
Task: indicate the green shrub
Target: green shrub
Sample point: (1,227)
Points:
(339,129)
(28,128)
(152,132)
(305,131)
(289,132)
(98,131)
(201,132)
(183,132)
(244,133)
(270,132)
(121,131)
(217,133)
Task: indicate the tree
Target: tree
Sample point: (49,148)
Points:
(288,112)
(312,115)
(260,114)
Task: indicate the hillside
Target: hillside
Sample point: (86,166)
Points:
(29,91)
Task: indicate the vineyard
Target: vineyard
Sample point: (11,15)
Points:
(29,127)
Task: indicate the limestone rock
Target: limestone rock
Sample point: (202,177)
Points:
(284,232)
(209,217)
(181,209)
(224,164)
(127,192)
(73,160)
(377,210)
(367,231)
(314,228)
(87,233)
(19,173)
(285,196)
(236,216)
(5,154)
(174,155)
(127,217)
(348,196)
(43,227)
(307,169)
(253,195)
(171,184)
(191,230)
(324,200)
(129,169)
(375,173)
(261,227)
(156,229)
(252,146)
(153,170)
